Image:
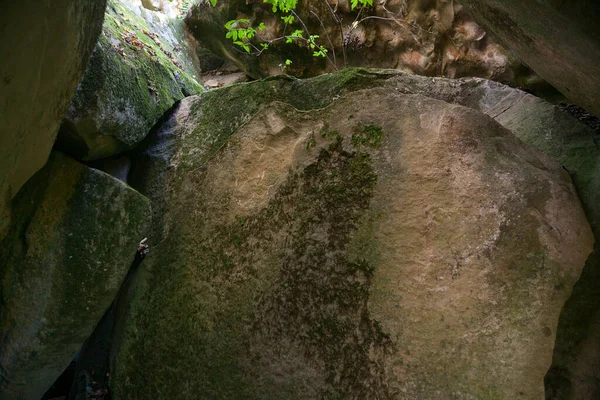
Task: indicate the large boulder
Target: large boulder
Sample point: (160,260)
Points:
(73,237)
(559,40)
(140,67)
(44,48)
(420,36)
(381,243)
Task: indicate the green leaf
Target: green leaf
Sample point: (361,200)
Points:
(288,19)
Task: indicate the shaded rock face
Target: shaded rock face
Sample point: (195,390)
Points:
(73,236)
(140,67)
(559,40)
(432,38)
(44,49)
(388,245)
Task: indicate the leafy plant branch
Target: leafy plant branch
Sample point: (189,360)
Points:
(241,32)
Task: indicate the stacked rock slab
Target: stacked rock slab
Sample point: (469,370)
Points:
(559,40)
(139,68)
(381,242)
(73,236)
(44,49)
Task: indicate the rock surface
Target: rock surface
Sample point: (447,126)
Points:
(387,245)
(424,37)
(73,237)
(559,40)
(574,373)
(139,69)
(44,51)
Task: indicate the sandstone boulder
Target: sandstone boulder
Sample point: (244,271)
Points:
(559,40)
(386,244)
(73,236)
(140,67)
(44,49)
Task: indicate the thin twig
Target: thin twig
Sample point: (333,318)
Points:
(339,21)
(308,33)
(326,34)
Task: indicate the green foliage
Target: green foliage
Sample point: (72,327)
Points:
(288,19)
(364,3)
(285,6)
(241,32)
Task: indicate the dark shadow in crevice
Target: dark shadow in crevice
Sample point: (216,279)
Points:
(89,372)
(70,142)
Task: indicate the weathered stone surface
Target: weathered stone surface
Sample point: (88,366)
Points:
(574,373)
(425,37)
(73,236)
(560,40)
(387,245)
(44,48)
(140,67)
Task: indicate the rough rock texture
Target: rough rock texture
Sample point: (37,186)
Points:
(139,69)
(575,373)
(424,37)
(72,239)
(384,245)
(44,48)
(559,40)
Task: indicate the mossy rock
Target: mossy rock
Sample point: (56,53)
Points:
(534,121)
(134,75)
(348,235)
(74,234)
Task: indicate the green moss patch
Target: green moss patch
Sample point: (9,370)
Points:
(367,135)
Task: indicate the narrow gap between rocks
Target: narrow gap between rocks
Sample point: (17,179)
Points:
(88,374)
